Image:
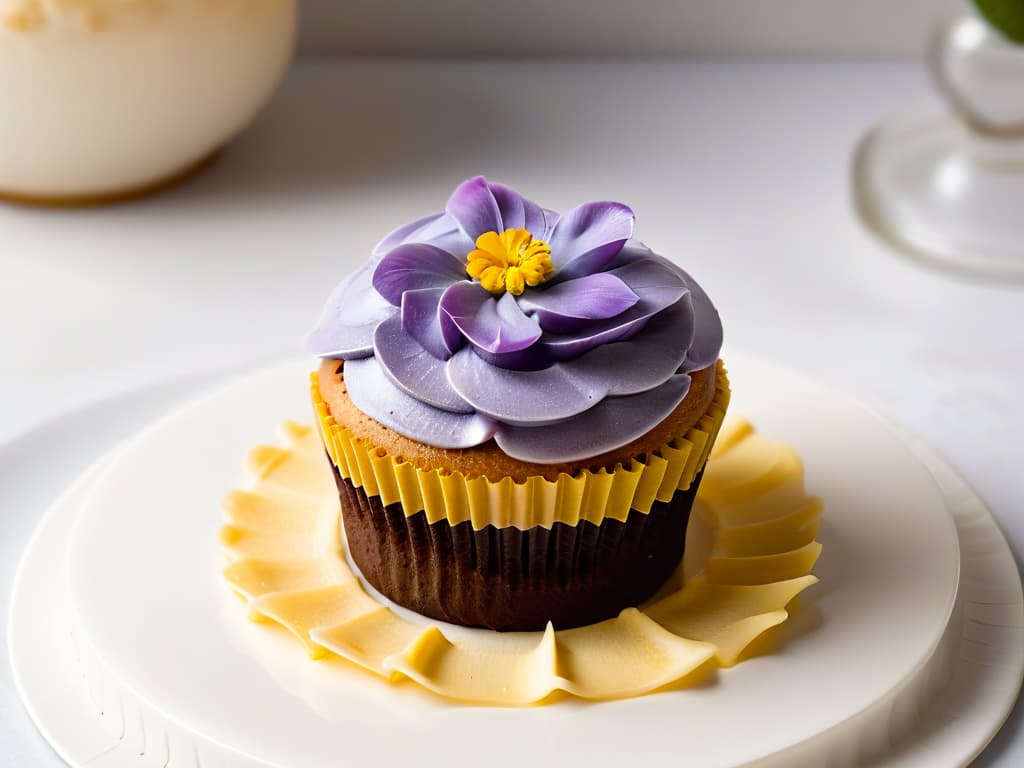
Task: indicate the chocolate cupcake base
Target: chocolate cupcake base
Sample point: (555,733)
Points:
(509,579)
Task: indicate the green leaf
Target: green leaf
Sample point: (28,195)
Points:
(1005,15)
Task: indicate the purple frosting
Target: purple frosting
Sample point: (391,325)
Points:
(578,365)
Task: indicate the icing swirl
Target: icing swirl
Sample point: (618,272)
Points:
(559,337)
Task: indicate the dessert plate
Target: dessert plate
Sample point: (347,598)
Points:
(883,648)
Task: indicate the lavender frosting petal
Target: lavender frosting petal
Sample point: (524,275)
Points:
(585,239)
(415,266)
(521,397)
(610,424)
(413,369)
(653,281)
(654,355)
(533,358)
(568,347)
(423,319)
(657,286)
(494,325)
(374,394)
(708,335)
(568,389)
(350,316)
(569,306)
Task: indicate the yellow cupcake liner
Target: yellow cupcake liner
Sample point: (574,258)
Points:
(750,547)
(586,495)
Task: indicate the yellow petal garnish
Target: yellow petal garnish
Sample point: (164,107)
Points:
(509,261)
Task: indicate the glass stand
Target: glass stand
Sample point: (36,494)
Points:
(950,189)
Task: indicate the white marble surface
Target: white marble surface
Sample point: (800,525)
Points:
(737,168)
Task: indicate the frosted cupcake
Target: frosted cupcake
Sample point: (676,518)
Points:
(517,406)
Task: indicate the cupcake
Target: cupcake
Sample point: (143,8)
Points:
(517,407)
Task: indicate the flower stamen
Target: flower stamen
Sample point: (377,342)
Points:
(510,261)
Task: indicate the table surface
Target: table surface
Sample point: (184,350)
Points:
(738,168)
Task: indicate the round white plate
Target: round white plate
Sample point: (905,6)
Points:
(180,674)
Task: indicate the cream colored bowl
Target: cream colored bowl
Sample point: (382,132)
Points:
(105,98)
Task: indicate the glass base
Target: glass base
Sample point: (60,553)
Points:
(946,194)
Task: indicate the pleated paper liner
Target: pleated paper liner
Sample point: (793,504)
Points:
(587,495)
(287,562)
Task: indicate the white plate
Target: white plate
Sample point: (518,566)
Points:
(177,669)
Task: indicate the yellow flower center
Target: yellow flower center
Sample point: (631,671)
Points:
(509,261)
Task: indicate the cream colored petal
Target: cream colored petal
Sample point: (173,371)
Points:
(271,513)
(762,569)
(751,467)
(252,577)
(501,674)
(783,534)
(370,639)
(303,611)
(626,656)
(283,469)
(267,545)
(728,617)
(734,429)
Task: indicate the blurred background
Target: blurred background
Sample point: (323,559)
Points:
(602,27)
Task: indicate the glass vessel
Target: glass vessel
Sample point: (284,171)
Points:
(950,189)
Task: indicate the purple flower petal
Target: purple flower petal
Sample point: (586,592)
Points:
(588,237)
(433,329)
(378,397)
(481,206)
(516,211)
(657,286)
(569,306)
(521,397)
(351,314)
(413,369)
(473,206)
(407,233)
(415,266)
(450,333)
(550,219)
(494,325)
(633,250)
(611,423)
(439,229)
